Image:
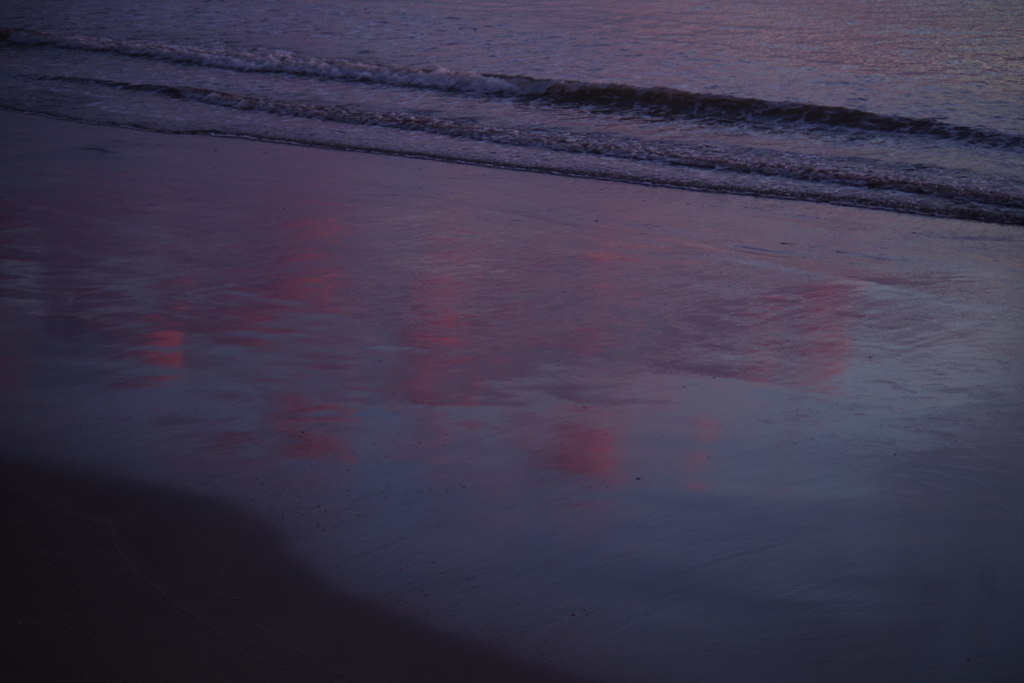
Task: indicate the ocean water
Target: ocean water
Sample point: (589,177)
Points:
(907,106)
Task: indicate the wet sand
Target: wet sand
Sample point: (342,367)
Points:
(620,431)
(109,582)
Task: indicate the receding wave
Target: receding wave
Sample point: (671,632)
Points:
(658,101)
(852,181)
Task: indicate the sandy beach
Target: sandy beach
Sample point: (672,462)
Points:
(113,582)
(276,413)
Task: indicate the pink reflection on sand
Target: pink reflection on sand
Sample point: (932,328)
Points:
(469,313)
(315,276)
(575,440)
(800,337)
(579,448)
(162,349)
(294,268)
(311,430)
(450,369)
(165,348)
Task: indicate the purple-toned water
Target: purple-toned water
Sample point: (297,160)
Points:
(630,433)
(907,106)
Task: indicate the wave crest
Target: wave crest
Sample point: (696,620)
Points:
(658,101)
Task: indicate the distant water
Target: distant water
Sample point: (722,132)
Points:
(903,105)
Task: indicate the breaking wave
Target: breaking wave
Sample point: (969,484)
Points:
(911,188)
(657,101)
(539,143)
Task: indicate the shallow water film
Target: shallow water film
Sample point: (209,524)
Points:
(617,432)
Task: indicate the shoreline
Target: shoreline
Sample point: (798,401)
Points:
(706,178)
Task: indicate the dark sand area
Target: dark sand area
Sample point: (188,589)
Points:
(273,413)
(105,581)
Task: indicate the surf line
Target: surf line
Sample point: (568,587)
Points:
(569,159)
(657,100)
(864,176)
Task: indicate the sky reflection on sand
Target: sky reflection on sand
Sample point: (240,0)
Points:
(501,402)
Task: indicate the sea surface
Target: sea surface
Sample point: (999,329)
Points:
(765,432)
(904,105)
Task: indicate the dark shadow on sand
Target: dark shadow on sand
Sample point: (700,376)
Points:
(110,581)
